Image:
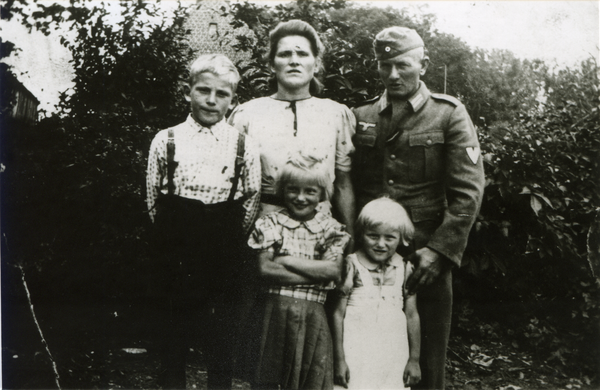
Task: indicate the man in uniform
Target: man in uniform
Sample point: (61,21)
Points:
(421,149)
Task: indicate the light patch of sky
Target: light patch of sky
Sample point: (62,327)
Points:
(558,32)
(42,63)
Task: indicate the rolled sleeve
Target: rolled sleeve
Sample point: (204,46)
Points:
(336,238)
(156,171)
(251,182)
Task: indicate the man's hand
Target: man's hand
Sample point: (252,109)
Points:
(341,374)
(428,266)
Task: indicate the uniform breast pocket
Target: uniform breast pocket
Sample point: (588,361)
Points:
(426,156)
(364,142)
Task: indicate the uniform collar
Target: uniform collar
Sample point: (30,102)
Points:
(416,101)
(313,225)
(196,127)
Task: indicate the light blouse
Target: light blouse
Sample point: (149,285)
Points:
(324,129)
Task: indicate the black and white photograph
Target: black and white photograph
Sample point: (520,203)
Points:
(300,194)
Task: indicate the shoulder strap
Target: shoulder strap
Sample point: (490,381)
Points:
(239,163)
(171,162)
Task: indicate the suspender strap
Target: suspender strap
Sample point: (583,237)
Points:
(239,163)
(171,164)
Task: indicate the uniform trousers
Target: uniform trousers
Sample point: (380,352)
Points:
(434,304)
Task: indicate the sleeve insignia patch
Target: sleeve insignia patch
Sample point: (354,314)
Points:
(473,153)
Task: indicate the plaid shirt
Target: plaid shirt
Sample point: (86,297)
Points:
(284,236)
(206,161)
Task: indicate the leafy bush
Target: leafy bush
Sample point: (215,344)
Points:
(541,200)
(77,182)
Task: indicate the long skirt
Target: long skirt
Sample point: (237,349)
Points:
(295,350)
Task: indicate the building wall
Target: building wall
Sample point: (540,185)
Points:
(211,32)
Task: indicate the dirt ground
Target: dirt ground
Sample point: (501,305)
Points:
(108,345)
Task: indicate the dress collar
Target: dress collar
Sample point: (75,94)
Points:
(313,225)
(274,97)
(416,101)
(395,261)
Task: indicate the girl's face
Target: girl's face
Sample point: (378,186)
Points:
(301,198)
(294,63)
(380,242)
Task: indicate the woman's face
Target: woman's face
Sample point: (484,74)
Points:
(294,63)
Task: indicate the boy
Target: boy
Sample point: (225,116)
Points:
(203,184)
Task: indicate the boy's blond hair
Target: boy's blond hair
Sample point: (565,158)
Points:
(306,168)
(387,212)
(217,64)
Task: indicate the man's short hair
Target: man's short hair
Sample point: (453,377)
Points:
(217,64)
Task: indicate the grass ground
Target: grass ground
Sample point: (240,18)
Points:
(109,345)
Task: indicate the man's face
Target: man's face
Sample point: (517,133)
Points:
(210,97)
(401,74)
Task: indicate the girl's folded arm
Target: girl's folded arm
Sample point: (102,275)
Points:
(330,268)
(276,273)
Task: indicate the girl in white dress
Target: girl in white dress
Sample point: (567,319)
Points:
(376,328)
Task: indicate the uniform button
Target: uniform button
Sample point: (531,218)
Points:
(393,156)
(390,182)
(428,142)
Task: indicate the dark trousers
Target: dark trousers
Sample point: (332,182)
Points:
(187,323)
(199,265)
(434,304)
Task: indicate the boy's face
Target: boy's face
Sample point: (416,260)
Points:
(210,97)
(380,242)
(301,199)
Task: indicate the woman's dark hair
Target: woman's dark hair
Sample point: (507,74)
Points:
(303,29)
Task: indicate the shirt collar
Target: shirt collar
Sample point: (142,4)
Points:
(416,101)
(196,127)
(313,225)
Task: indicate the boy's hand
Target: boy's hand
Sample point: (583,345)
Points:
(341,375)
(412,373)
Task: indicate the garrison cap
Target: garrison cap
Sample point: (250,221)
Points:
(393,41)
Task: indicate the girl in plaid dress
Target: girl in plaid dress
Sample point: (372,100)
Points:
(300,254)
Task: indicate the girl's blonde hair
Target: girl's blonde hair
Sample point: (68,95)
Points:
(387,212)
(309,169)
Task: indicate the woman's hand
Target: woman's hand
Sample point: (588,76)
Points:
(341,373)
(412,373)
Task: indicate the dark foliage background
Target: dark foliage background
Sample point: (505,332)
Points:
(73,206)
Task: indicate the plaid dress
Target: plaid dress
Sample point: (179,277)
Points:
(295,349)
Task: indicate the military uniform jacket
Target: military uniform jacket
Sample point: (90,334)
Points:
(426,156)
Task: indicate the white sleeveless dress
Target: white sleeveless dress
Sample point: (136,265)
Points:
(375,334)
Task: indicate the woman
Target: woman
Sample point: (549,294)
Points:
(292,120)
(289,122)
